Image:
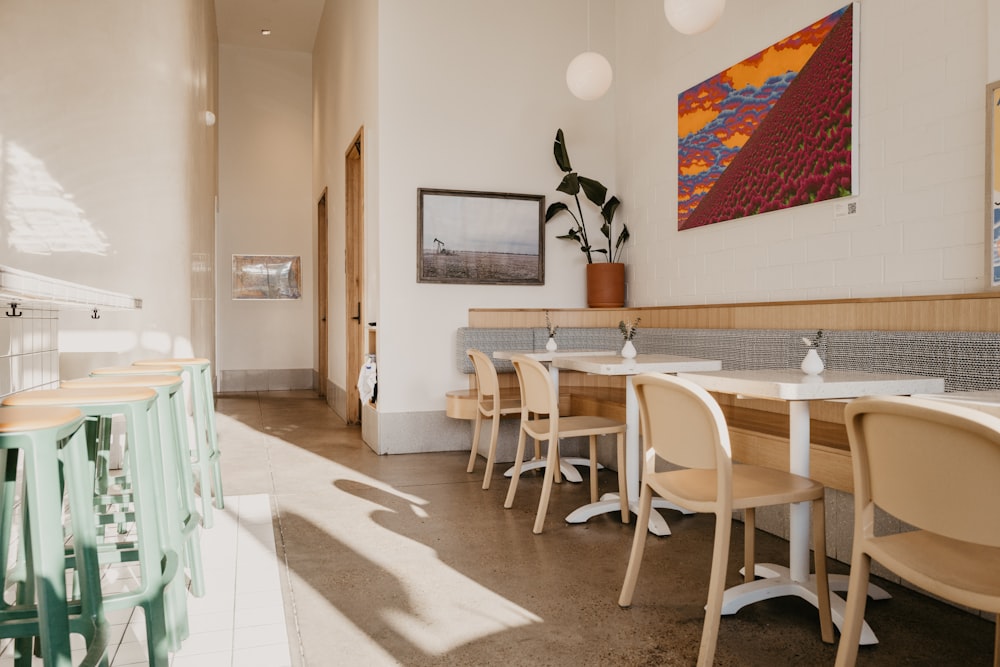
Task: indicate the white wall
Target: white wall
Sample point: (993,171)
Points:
(108,170)
(920,222)
(265,184)
(470,97)
(345,98)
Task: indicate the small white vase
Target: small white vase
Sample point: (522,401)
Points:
(812,364)
(628,350)
(551,345)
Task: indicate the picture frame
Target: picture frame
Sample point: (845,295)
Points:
(265,277)
(993,185)
(481,238)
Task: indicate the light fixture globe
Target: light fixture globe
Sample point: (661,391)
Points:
(693,16)
(589,75)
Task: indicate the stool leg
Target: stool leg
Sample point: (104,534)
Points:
(190,518)
(79,473)
(213,438)
(169,523)
(202,450)
(44,532)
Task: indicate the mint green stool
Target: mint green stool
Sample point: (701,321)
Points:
(160,591)
(55,454)
(181,509)
(206,445)
(105,458)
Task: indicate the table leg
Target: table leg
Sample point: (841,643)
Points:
(795,580)
(566,463)
(609,501)
(798,463)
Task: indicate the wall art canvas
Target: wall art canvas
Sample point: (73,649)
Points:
(774,131)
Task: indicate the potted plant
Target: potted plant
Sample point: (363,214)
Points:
(605,280)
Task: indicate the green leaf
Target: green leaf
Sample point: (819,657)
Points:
(555,209)
(608,212)
(562,155)
(594,190)
(570,184)
(622,238)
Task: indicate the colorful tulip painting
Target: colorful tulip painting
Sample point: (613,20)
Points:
(773,131)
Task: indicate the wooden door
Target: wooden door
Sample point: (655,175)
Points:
(322,304)
(354,270)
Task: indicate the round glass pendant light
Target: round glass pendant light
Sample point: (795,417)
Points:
(693,16)
(589,75)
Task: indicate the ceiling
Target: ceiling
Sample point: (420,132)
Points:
(293,23)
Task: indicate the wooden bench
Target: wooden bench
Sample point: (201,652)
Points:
(953,336)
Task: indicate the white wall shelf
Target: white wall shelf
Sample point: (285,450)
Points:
(31,289)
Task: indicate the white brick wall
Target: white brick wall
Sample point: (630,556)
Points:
(920,222)
(29,354)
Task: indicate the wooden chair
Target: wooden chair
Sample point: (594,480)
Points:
(682,424)
(540,420)
(933,465)
(490,406)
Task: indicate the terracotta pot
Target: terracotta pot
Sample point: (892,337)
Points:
(606,285)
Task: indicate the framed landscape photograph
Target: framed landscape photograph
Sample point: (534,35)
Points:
(485,238)
(993,185)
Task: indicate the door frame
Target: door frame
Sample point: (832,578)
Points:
(322,294)
(354,221)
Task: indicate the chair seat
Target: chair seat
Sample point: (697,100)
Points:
(973,569)
(753,486)
(570,427)
(508,406)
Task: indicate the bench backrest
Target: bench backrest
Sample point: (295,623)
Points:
(967,360)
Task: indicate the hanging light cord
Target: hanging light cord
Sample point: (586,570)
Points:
(588,25)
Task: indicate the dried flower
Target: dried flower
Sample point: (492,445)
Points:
(628,328)
(551,327)
(815,341)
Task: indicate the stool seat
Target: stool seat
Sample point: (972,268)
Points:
(178,360)
(166,369)
(95,396)
(122,381)
(14,420)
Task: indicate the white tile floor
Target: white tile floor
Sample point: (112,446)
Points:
(240,621)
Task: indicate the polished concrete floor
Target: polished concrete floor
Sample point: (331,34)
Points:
(405,560)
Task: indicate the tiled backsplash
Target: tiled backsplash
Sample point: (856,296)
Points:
(29,350)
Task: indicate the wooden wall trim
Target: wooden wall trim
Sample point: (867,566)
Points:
(947,312)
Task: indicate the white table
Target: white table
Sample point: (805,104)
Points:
(797,388)
(616,365)
(987,401)
(566,464)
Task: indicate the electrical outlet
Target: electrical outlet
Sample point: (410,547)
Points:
(845,208)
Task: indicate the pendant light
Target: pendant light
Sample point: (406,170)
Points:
(589,75)
(693,16)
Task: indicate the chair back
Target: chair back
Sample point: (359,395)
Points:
(932,464)
(487,383)
(682,423)
(538,393)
